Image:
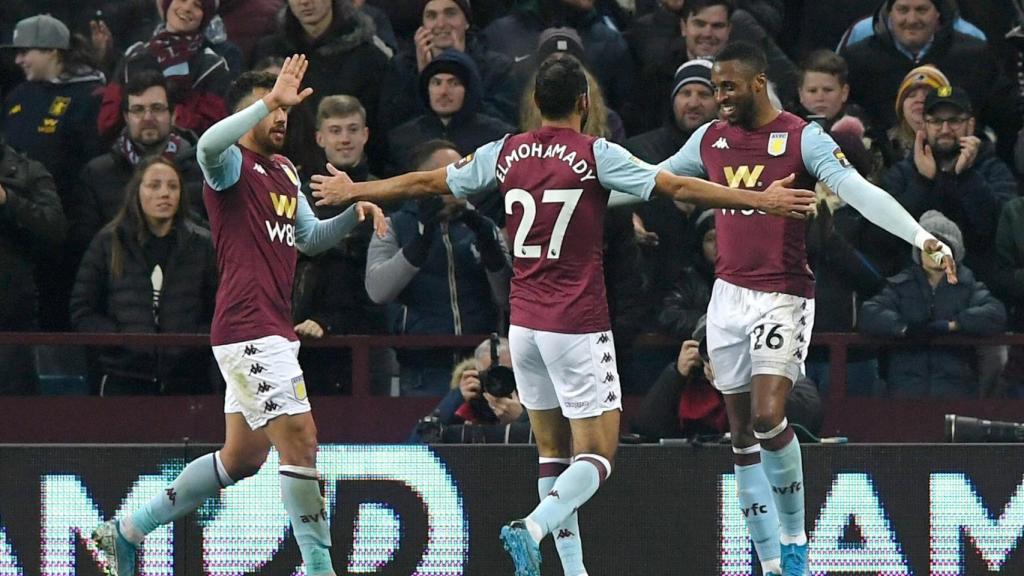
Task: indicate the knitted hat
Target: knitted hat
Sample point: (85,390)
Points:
(696,70)
(926,75)
(209,10)
(562,39)
(462,4)
(945,230)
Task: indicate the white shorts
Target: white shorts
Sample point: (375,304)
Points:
(263,379)
(752,332)
(574,372)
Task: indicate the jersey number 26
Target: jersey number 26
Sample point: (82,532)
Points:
(569,198)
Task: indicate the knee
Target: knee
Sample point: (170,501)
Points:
(240,464)
(766,420)
(298,447)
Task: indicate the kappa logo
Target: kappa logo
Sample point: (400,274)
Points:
(608,377)
(611,397)
(606,358)
(603,338)
(256,368)
(250,350)
(270,406)
(721,144)
(263,388)
(172,495)
(554,494)
(259,168)
(565,533)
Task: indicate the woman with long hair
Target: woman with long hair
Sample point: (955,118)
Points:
(149,270)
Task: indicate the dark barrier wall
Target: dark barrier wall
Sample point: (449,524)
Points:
(401,510)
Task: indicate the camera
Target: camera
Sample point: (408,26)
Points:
(967,429)
(498,380)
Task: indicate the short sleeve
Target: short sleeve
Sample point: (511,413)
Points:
(475,172)
(687,161)
(823,158)
(619,170)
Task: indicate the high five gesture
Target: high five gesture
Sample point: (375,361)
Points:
(286,91)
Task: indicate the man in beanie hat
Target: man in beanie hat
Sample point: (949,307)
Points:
(910,33)
(920,302)
(955,172)
(692,102)
(447,25)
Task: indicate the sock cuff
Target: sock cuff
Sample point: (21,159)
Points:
(604,467)
(747,456)
(752,449)
(550,467)
(299,472)
(773,432)
(223,478)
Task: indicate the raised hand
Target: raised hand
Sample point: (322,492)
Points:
(968,153)
(286,91)
(940,254)
(380,222)
(924,160)
(332,190)
(779,200)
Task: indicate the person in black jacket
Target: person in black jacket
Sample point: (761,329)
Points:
(147,113)
(149,271)
(31,223)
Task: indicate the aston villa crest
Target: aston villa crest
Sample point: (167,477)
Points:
(777,143)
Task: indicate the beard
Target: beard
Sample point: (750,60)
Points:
(945,152)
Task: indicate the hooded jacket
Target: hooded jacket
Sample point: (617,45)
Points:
(467,129)
(877,67)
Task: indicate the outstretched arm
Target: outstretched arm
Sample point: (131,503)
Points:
(337,188)
(777,199)
(313,236)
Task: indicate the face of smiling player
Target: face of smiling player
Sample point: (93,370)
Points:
(735,90)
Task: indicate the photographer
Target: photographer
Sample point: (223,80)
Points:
(446,265)
(482,394)
(682,403)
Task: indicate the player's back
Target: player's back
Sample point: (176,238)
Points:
(555,209)
(253,228)
(755,250)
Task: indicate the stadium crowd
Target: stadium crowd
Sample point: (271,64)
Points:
(105,228)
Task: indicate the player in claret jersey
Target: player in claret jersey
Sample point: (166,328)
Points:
(555,182)
(762,304)
(258,217)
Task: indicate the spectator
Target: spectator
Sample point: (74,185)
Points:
(705,29)
(345,57)
(954,172)
(149,271)
(446,266)
(602,121)
(915,32)
(147,115)
(823,89)
(381,24)
(605,51)
(693,104)
(51,118)
(446,25)
(683,403)
(653,35)
(870,25)
(1008,283)
(247,21)
(329,296)
(921,302)
(451,90)
(898,141)
(32,223)
(197,77)
(686,300)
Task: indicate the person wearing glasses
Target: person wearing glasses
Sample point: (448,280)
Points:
(147,116)
(955,172)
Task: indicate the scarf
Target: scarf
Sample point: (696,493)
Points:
(173,52)
(124,147)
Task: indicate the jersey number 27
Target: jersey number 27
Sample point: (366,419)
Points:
(568,198)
